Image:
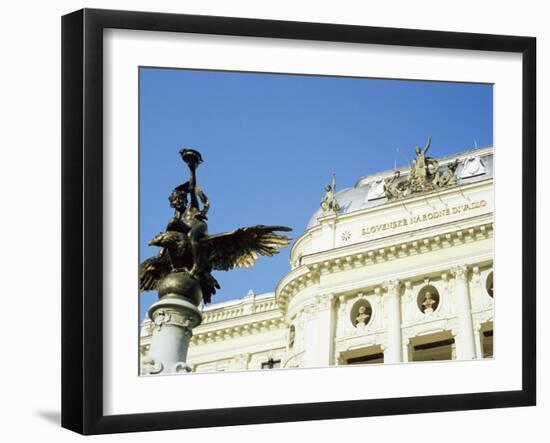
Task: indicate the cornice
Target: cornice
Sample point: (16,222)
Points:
(370,211)
(404,237)
(368,254)
(225,332)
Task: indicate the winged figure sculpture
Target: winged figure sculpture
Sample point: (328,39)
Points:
(238,248)
(187,248)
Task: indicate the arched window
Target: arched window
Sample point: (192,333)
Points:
(291,336)
(489,284)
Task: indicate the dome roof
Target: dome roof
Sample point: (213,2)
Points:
(349,200)
(475,165)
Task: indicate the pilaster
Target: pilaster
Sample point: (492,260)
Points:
(319,330)
(394,352)
(466,349)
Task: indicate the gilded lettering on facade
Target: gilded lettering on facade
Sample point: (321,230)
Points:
(429,216)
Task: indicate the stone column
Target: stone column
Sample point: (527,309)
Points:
(173,320)
(394,351)
(319,330)
(466,349)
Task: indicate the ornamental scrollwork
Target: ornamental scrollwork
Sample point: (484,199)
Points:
(392,286)
(161,318)
(181,367)
(460,272)
(151,366)
(164,317)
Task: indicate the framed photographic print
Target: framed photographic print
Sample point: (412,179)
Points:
(269,221)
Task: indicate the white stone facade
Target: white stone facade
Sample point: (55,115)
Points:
(379,281)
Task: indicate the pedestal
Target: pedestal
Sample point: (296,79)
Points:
(174,318)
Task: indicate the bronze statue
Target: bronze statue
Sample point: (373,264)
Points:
(391,188)
(188,253)
(448,178)
(423,169)
(329,203)
(419,169)
(424,176)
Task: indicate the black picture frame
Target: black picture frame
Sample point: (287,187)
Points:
(82,218)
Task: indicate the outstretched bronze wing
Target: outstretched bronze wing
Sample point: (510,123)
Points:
(241,246)
(153,270)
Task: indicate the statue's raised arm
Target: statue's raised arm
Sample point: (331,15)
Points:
(425,149)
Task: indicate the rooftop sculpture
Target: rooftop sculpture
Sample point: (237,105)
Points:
(424,176)
(329,202)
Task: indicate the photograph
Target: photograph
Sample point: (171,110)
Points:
(291,221)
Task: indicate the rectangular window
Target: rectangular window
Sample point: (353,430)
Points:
(271,364)
(487,344)
(366,359)
(436,350)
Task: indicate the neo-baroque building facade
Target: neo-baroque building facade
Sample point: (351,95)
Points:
(387,271)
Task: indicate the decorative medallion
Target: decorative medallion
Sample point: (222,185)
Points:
(376,189)
(346,235)
(473,167)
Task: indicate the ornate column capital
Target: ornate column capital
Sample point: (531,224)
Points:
(476,274)
(240,361)
(309,311)
(172,317)
(325,301)
(460,272)
(392,286)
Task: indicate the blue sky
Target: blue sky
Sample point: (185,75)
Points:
(270,141)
